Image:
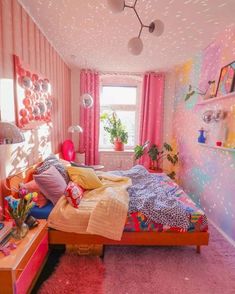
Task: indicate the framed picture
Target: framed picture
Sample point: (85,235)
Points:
(226,80)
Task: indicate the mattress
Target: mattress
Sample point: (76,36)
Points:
(137,222)
(149,184)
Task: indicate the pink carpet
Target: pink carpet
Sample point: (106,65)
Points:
(151,270)
(76,274)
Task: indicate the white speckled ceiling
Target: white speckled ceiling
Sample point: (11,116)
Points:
(88,30)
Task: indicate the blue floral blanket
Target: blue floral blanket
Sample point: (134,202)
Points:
(156,201)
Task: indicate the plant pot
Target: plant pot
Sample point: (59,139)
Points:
(118,146)
(154,167)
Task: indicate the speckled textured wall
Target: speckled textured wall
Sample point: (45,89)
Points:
(207,174)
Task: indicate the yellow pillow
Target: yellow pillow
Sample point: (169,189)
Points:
(84,177)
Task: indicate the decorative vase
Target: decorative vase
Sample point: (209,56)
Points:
(202,137)
(20,230)
(118,146)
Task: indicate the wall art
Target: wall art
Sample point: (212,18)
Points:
(33,101)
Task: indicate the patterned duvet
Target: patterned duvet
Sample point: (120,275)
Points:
(158,193)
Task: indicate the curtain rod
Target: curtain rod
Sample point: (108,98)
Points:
(121,73)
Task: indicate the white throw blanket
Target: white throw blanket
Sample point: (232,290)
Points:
(102,211)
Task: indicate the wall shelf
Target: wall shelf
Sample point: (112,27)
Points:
(217,147)
(215,99)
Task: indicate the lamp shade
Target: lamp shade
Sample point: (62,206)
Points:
(156,27)
(87,100)
(10,133)
(116,6)
(75,129)
(135,46)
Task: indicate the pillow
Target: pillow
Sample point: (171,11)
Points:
(32,186)
(52,160)
(51,184)
(84,177)
(74,194)
(14,182)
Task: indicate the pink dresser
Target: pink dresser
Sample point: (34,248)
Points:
(19,270)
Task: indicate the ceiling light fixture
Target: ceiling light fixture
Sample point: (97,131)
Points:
(156,27)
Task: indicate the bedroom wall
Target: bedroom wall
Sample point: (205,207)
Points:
(21,36)
(207,175)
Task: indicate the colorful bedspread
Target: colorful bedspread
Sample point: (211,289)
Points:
(147,187)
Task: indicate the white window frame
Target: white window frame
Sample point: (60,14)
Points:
(115,107)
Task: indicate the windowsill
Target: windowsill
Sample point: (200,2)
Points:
(113,151)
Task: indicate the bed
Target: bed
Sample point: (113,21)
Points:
(138,229)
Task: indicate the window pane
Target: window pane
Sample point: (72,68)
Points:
(118,95)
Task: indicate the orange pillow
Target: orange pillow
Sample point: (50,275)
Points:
(32,186)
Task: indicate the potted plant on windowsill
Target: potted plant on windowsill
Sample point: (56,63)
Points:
(157,155)
(114,127)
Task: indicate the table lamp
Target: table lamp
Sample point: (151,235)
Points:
(68,151)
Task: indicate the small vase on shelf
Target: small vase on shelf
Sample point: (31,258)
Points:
(20,230)
(202,137)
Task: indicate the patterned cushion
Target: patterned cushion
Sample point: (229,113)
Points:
(74,194)
(52,160)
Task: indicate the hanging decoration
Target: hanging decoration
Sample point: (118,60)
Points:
(87,100)
(32,97)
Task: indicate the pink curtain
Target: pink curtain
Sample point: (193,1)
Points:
(90,117)
(151,114)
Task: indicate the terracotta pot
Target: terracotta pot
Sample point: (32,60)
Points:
(118,146)
(154,167)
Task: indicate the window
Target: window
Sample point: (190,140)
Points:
(123,100)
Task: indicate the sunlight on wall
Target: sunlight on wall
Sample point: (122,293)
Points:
(19,156)
(7,107)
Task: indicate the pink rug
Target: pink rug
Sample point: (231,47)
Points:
(149,270)
(76,274)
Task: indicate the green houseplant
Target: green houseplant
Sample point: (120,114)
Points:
(157,155)
(115,128)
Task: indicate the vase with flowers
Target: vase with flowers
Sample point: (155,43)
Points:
(18,210)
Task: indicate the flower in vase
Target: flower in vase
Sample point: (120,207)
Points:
(19,208)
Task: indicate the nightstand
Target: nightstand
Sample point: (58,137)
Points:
(20,269)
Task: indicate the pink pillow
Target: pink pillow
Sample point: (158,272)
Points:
(74,194)
(51,183)
(31,187)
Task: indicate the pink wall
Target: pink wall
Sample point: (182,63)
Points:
(207,174)
(20,35)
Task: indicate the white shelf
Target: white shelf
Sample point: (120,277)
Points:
(217,147)
(215,99)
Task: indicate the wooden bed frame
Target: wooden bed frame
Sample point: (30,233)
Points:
(133,238)
(128,238)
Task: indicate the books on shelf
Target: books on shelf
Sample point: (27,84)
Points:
(5,231)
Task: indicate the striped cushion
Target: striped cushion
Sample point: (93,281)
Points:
(52,160)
